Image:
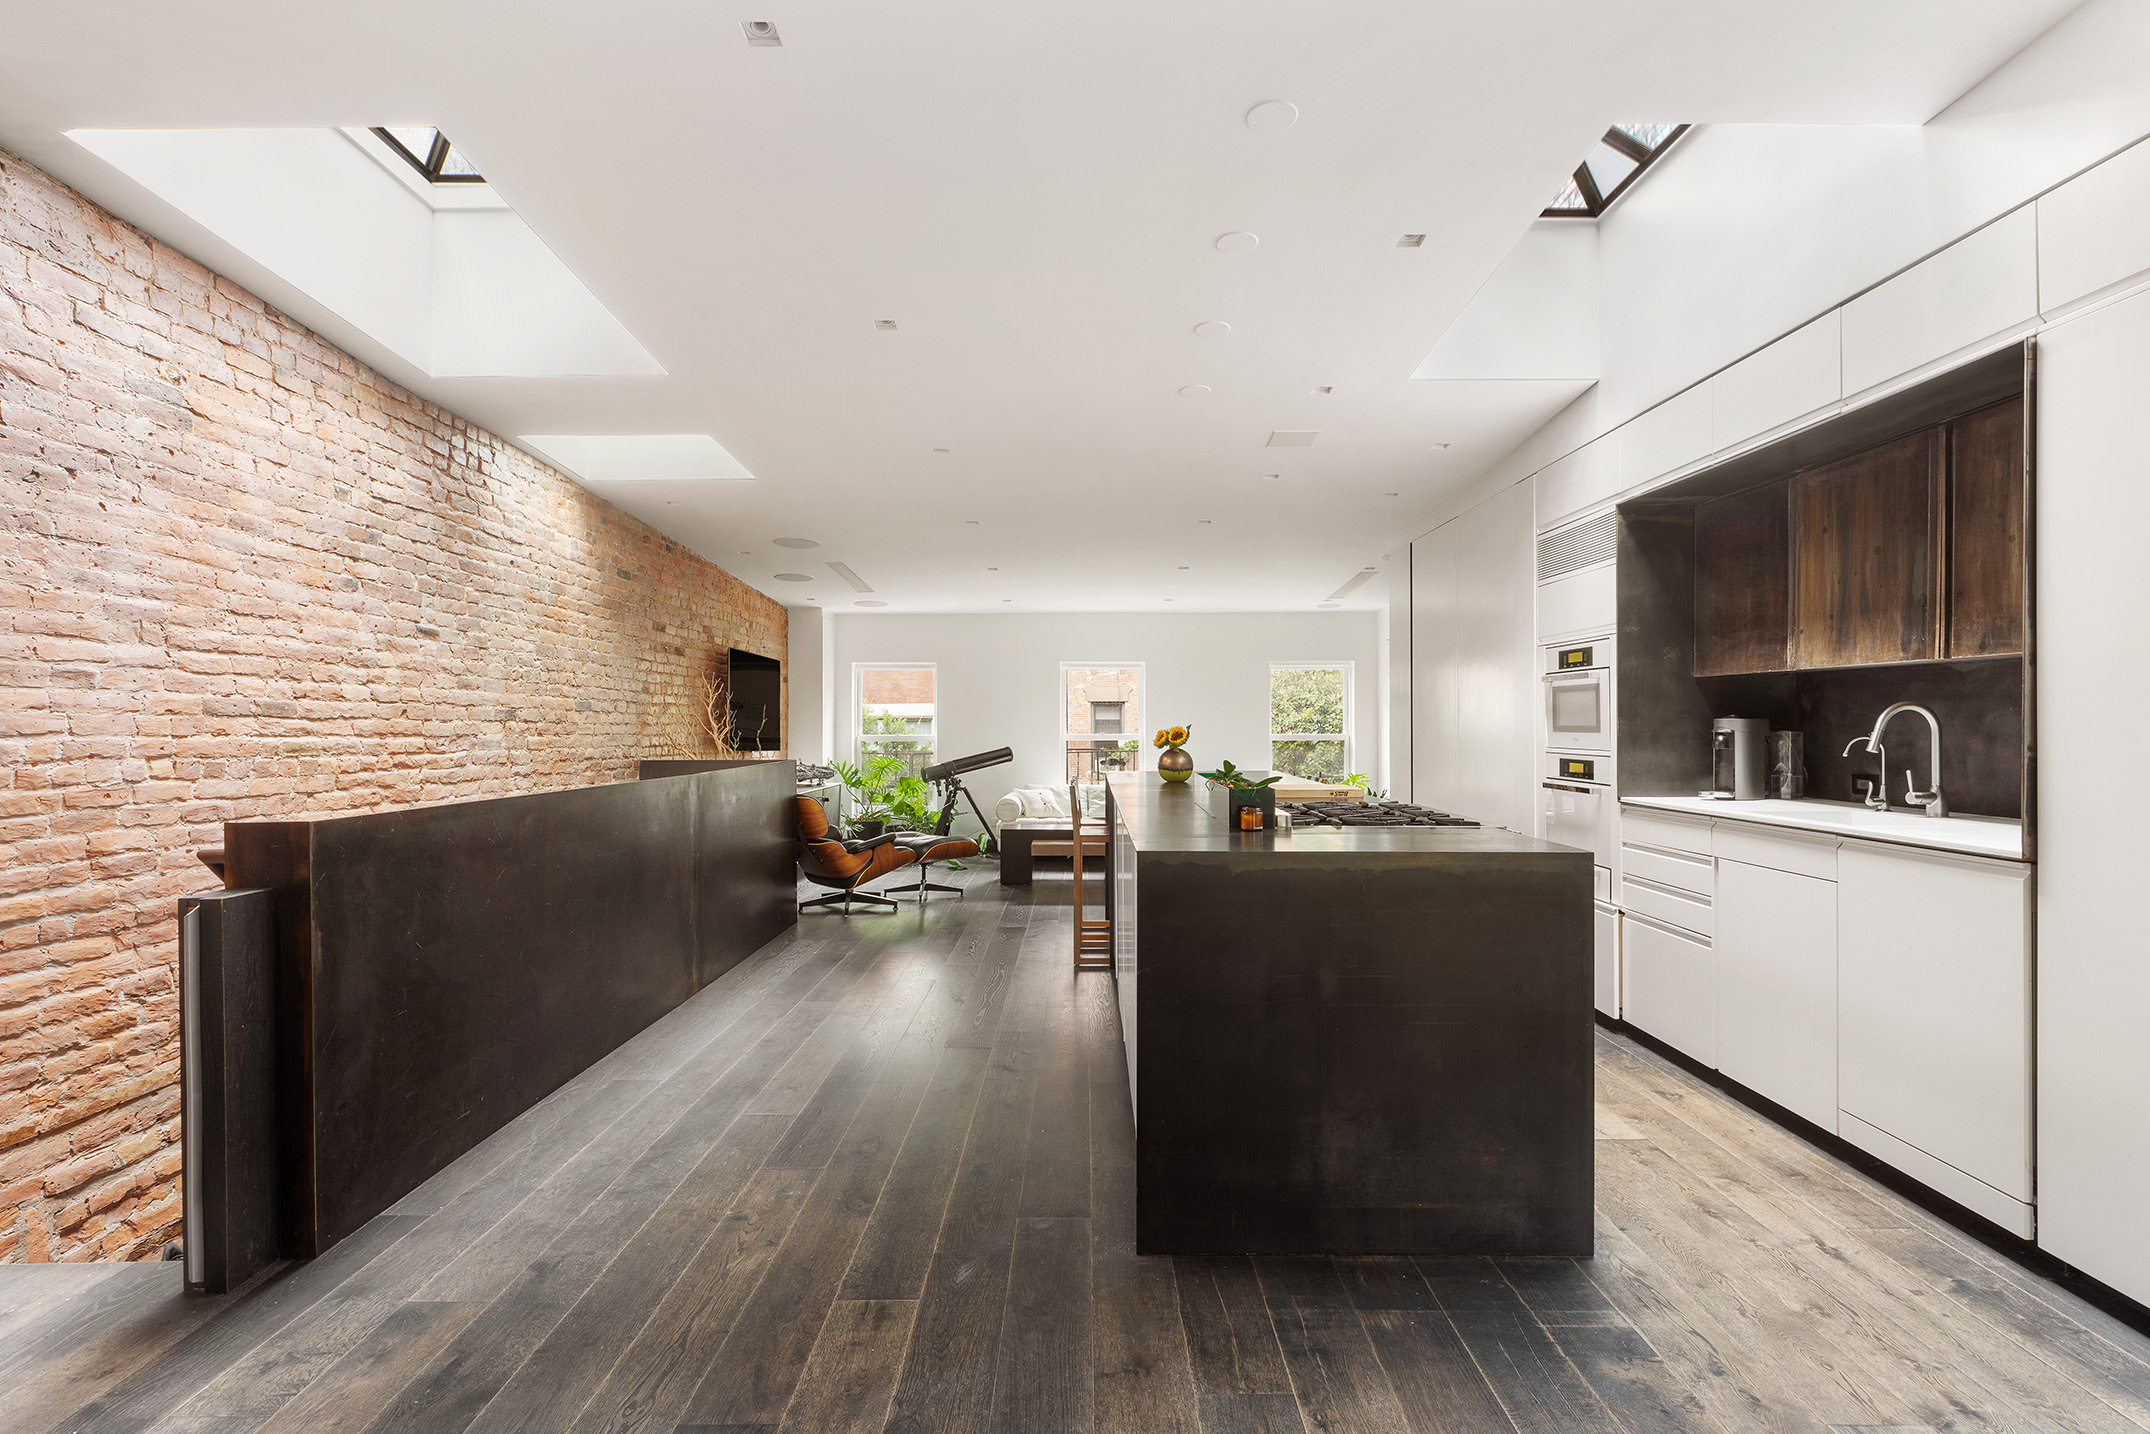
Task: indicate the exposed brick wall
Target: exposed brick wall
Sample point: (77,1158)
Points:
(245,576)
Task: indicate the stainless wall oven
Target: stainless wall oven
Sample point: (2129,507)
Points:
(1578,680)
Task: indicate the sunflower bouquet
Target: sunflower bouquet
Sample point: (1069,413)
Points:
(1173,764)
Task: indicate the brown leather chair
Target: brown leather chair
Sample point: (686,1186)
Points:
(844,865)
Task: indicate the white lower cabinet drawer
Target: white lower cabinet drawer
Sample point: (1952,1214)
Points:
(1669,985)
(1678,869)
(1684,909)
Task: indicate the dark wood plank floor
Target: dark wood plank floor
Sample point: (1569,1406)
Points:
(881,1177)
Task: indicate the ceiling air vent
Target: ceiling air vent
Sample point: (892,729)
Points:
(1581,545)
(1351,587)
(843,570)
(1293,437)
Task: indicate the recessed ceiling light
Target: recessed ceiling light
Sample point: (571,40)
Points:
(1411,241)
(992,570)
(761,32)
(1272,116)
(1195,390)
(1325,388)
(795,542)
(869,602)
(746,552)
(886,326)
(1201,520)
(1213,328)
(970,522)
(1183,567)
(940,450)
(1390,495)
(671,503)
(1239,241)
(1293,437)
(1439,446)
(794,577)
(1272,477)
(1007,599)
(1168,599)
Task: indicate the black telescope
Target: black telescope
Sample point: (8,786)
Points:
(949,777)
(977,761)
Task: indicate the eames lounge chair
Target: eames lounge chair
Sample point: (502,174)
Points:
(844,865)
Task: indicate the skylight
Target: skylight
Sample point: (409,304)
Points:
(1612,165)
(429,152)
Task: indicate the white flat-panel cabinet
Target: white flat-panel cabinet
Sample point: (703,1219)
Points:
(1669,985)
(1776,949)
(2093,480)
(1607,940)
(1983,284)
(1933,1016)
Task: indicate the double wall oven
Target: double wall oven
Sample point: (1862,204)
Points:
(1577,795)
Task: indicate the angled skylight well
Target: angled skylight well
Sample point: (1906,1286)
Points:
(429,152)
(1613,164)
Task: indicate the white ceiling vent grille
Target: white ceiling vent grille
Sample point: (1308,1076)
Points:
(1293,437)
(1584,545)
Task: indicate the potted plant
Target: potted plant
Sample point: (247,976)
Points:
(1243,789)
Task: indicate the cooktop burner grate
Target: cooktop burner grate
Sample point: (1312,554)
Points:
(1370,814)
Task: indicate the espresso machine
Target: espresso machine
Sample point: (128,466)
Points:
(1739,759)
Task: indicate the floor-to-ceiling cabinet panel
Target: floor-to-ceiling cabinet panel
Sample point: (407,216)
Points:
(2093,587)
(1473,684)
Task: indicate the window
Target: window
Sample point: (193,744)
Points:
(1624,153)
(1101,710)
(429,152)
(1309,720)
(895,712)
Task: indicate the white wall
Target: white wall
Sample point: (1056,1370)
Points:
(809,675)
(998,679)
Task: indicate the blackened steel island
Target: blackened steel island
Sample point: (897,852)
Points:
(1356,1041)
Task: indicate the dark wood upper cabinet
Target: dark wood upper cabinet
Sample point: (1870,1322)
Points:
(1743,583)
(1985,531)
(1866,556)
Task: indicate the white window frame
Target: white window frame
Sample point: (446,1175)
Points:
(1269,705)
(860,736)
(1142,689)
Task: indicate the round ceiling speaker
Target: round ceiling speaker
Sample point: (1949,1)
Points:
(795,543)
(1195,390)
(1272,116)
(1213,328)
(1239,241)
(869,602)
(794,577)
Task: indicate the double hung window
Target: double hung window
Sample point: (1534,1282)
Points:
(1100,717)
(895,712)
(1309,720)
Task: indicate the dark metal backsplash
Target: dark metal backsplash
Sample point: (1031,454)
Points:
(1980,705)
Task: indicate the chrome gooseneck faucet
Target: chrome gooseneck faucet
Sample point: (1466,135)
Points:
(1934,803)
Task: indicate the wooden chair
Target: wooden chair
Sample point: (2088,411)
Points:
(844,865)
(1093,939)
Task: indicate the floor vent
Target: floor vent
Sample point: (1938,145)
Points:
(1572,549)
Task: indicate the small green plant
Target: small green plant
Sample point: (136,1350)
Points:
(1228,775)
(1365,784)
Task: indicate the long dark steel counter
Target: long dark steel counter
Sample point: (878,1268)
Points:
(1351,1041)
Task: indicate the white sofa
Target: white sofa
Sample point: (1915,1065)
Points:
(1046,807)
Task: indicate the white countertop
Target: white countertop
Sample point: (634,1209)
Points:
(1903,826)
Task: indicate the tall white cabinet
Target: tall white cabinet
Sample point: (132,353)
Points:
(1473,687)
(2093,589)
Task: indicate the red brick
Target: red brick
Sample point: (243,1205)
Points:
(223,623)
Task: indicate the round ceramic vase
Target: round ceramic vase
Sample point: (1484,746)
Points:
(1174,765)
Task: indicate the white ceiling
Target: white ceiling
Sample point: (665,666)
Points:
(1033,194)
